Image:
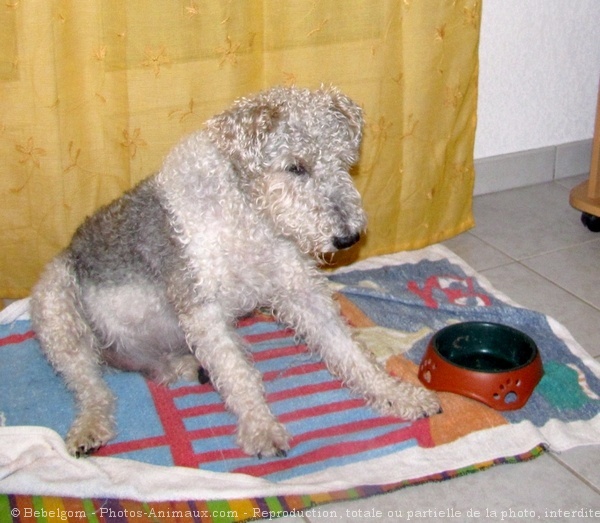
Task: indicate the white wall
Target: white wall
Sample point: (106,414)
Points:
(539,74)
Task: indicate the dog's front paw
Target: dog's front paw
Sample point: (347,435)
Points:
(263,436)
(88,435)
(408,401)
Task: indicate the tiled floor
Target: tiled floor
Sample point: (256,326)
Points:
(531,245)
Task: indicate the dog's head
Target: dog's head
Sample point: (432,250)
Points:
(292,150)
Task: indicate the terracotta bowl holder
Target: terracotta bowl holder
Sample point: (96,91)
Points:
(493,363)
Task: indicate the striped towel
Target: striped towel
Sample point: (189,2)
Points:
(328,424)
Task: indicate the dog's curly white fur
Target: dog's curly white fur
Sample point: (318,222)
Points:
(233,221)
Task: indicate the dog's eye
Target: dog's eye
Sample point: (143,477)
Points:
(296,168)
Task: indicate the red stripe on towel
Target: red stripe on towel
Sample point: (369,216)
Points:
(13,339)
(254,319)
(348,428)
(131,446)
(305,390)
(272,335)
(172,422)
(412,431)
(310,412)
(279,352)
(294,371)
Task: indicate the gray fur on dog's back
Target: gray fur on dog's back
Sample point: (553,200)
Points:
(139,241)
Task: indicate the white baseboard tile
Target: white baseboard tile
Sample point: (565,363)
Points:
(573,158)
(509,171)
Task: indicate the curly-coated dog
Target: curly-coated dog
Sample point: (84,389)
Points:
(235,219)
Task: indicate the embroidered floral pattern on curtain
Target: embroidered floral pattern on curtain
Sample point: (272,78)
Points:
(93,94)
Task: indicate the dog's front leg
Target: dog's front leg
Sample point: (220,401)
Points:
(222,353)
(313,313)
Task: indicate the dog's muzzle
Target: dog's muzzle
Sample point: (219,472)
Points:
(343,242)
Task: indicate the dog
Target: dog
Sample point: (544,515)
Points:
(238,217)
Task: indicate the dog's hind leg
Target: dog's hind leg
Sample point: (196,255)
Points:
(71,347)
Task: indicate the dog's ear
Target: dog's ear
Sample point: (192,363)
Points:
(350,111)
(241,132)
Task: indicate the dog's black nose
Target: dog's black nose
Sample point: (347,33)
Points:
(343,242)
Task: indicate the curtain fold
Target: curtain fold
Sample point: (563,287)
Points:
(93,93)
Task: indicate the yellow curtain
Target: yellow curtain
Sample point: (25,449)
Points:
(93,93)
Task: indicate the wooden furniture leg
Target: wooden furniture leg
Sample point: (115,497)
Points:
(586,196)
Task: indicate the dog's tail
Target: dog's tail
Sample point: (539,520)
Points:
(56,313)
(55,306)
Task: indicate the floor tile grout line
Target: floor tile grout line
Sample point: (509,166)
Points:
(530,256)
(472,233)
(521,260)
(564,248)
(574,473)
(556,284)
